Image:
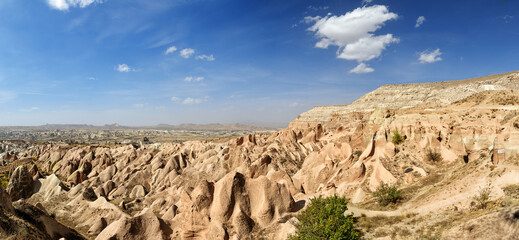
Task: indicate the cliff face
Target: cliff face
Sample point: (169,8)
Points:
(402,96)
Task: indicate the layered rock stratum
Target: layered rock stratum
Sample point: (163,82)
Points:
(252,187)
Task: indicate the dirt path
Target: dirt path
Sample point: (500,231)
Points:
(357,212)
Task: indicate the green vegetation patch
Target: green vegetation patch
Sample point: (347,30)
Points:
(324,219)
(397,137)
(386,194)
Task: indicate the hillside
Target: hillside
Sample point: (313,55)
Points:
(401,96)
(455,144)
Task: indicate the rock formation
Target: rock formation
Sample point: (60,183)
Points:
(253,186)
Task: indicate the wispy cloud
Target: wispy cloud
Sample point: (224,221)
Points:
(6,96)
(419,21)
(295,104)
(430,56)
(64,5)
(193,79)
(190,101)
(32,109)
(124,68)
(316,8)
(205,57)
(365,2)
(170,50)
(162,42)
(187,52)
(507,18)
(138,105)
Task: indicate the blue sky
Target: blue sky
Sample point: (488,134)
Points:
(263,62)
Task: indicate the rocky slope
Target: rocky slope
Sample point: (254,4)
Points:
(401,96)
(252,187)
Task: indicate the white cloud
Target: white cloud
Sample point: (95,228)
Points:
(189,101)
(92,78)
(124,68)
(507,18)
(64,5)
(316,8)
(187,52)
(138,105)
(430,56)
(193,79)
(419,21)
(295,104)
(353,32)
(29,109)
(175,99)
(205,57)
(170,50)
(367,48)
(362,68)
(364,2)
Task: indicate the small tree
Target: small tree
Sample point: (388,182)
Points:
(324,219)
(387,194)
(397,138)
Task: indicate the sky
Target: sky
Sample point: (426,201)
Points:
(147,62)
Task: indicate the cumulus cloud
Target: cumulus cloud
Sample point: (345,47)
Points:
(64,5)
(175,99)
(32,109)
(366,49)
(170,50)
(193,79)
(205,57)
(189,100)
(353,32)
(124,68)
(362,68)
(187,52)
(419,21)
(430,56)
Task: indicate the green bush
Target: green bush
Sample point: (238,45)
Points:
(433,156)
(387,194)
(397,138)
(324,219)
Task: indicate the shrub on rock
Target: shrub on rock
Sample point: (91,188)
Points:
(397,137)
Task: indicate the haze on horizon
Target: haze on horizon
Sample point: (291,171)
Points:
(146,62)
